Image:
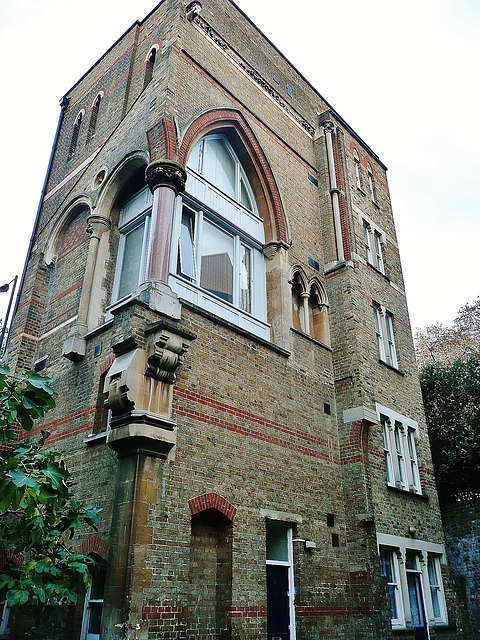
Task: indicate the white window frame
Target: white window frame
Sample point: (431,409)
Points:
(208,203)
(399,621)
(86,612)
(428,553)
(383,321)
(289,564)
(373,238)
(399,434)
(5,621)
(371,186)
(136,211)
(358,177)
(433,565)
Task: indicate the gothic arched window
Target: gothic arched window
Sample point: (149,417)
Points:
(217,259)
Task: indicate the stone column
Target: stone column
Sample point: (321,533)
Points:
(329,128)
(75,345)
(166,179)
(138,391)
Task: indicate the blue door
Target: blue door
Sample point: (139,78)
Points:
(278,603)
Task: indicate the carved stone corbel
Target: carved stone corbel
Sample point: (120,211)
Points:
(138,390)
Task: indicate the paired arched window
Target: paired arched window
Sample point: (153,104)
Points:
(309,307)
(149,65)
(92,125)
(217,251)
(75,133)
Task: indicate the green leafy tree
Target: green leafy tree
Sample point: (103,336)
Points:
(436,344)
(38,512)
(451,394)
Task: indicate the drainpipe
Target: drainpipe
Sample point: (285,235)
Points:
(64,102)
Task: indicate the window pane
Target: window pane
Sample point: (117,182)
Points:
(132,256)
(277,542)
(216,273)
(244,197)
(95,617)
(387,569)
(219,166)
(186,254)
(194,158)
(245,278)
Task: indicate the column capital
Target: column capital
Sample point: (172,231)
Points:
(166,173)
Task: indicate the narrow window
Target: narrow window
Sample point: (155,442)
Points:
(391,351)
(386,449)
(5,620)
(92,614)
(377,242)
(389,569)
(297,303)
(399,452)
(92,125)
(134,227)
(384,333)
(280,589)
(415,593)
(436,588)
(370,183)
(358,179)
(186,245)
(76,131)
(149,67)
(377,316)
(318,316)
(367,238)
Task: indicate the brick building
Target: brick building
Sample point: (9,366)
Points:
(216,290)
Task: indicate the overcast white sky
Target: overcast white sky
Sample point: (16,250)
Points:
(403,73)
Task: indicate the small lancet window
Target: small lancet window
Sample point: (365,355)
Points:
(93,118)
(149,67)
(370,183)
(297,302)
(318,316)
(358,177)
(76,131)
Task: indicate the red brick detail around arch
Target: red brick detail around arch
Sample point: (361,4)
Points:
(229,117)
(94,544)
(162,141)
(212,501)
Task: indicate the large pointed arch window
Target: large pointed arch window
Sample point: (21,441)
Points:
(217,258)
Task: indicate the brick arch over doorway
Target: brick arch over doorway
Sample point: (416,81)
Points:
(212,501)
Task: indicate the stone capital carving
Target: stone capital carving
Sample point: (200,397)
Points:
(271,248)
(96,225)
(166,173)
(329,126)
(193,9)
